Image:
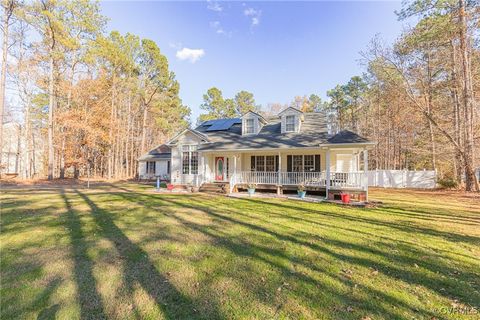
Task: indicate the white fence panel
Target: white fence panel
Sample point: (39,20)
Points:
(425,179)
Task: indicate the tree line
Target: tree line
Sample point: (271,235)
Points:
(93,102)
(418,98)
(89,101)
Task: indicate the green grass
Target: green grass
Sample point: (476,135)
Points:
(124,252)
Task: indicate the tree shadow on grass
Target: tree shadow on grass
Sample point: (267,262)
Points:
(444,285)
(244,247)
(452,236)
(15,290)
(90,301)
(139,269)
(49,313)
(441,277)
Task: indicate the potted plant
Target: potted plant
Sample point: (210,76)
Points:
(251,188)
(301,191)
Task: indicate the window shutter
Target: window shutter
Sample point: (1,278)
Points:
(252,163)
(317,163)
(289,163)
(276,164)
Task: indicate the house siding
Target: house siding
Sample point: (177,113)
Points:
(176,166)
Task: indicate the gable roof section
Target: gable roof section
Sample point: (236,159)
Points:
(313,133)
(256,114)
(346,136)
(290,108)
(159,152)
(197,133)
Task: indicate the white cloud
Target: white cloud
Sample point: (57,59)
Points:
(217,26)
(254,16)
(175,45)
(214,6)
(191,55)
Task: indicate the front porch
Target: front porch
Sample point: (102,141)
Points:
(324,171)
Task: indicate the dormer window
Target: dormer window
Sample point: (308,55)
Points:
(291,119)
(249,126)
(290,123)
(252,123)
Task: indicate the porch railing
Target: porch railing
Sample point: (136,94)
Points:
(338,180)
(343,180)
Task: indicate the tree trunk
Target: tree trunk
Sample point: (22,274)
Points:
(19,146)
(458,172)
(28,143)
(62,157)
(144,129)
(50,118)
(127,135)
(429,111)
(110,132)
(471,182)
(3,76)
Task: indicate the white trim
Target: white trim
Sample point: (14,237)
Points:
(322,146)
(256,114)
(290,108)
(198,134)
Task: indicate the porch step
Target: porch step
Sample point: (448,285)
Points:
(215,188)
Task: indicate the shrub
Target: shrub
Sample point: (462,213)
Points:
(448,183)
(163,184)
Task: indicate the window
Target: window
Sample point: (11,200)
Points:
(270,163)
(290,123)
(297,163)
(260,163)
(308,163)
(264,163)
(249,126)
(303,163)
(150,167)
(189,159)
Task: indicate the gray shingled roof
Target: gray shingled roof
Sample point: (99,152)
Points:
(160,152)
(313,132)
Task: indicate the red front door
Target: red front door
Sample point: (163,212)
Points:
(219,168)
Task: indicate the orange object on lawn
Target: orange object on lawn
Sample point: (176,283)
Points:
(345,198)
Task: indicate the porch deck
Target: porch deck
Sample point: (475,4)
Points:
(321,180)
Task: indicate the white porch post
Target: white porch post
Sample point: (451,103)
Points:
(327,169)
(233,179)
(365,173)
(204,159)
(279,171)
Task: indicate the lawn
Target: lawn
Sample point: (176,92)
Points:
(124,252)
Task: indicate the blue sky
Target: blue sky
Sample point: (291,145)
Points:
(276,50)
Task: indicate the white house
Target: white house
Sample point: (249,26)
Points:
(156,163)
(278,152)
